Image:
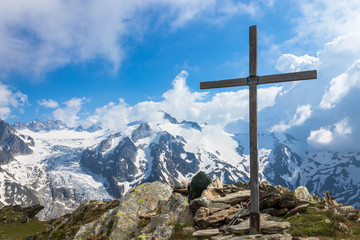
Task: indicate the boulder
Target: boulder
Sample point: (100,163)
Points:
(271,200)
(303,195)
(244,227)
(198,184)
(276,212)
(267,226)
(221,215)
(197,203)
(272,227)
(122,222)
(206,233)
(345,209)
(211,190)
(298,209)
(201,217)
(288,200)
(234,198)
(329,200)
(215,207)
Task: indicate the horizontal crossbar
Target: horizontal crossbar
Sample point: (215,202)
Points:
(275,78)
(287,77)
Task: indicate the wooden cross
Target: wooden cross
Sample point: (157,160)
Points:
(253,80)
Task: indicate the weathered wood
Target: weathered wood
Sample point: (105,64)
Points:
(253,51)
(287,77)
(254,168)
(223,83)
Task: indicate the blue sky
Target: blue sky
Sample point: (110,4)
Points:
(111,62)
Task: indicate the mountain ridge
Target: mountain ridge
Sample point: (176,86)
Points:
(69,166)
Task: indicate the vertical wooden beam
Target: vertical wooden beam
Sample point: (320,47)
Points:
(254,167)
(253,51)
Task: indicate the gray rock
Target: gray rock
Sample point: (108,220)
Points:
(244,227)
(215,207)
(141,200)
(221,215)
(298,209)
(234,198)
(272,227)
(284,236)
(199,202)
(267,227)
(206,233)
(276,212)
(201,217)
(342,227)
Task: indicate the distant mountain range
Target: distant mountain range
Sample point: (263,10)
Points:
(60,167)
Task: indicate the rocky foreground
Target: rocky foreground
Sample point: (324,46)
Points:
(159,211)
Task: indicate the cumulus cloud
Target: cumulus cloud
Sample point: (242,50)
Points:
(184,104)
(324,19)
(10,99)
(49,103)
(292,63)
(330,135)
(321,136)
(38,36)
(341,85)
(329,28)
(303,113)
(69,113)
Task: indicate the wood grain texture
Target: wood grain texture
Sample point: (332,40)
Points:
(252,51)
(236,82)
(254,166)
(287,77)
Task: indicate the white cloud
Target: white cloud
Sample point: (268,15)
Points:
(341,85)
(183,104)
(342,128)
(69,114)
(48,103)
(321,136)
(324,19)
(38,36)
(303,113)
(10,99)
(292,63)
(330,135)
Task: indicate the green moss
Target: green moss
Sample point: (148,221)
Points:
(109,227)
(17,230)
(312,223)
(142,223)
(179,233)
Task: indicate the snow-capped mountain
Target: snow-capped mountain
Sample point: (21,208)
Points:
(50,125)
(67,166)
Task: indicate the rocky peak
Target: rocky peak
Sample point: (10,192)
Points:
(142,131)
(38,125)
(5,131)
(13,143)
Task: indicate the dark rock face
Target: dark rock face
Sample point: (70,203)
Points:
(24,195)
(278,167)
(116,166)
(12,143)
(142,131)
(167,159)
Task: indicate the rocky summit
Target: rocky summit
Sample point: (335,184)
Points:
(158,211)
